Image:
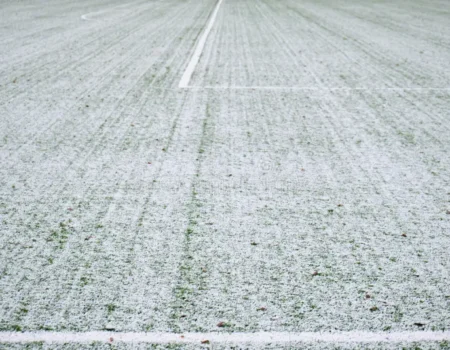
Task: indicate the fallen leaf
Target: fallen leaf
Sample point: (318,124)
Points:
(261,308)
(221,324)
(315,273)
(374,308)
(419,324)
(111,339)
(206,341)
(403,234)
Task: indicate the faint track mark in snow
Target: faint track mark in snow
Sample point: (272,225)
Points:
(184,82)
(86,16)
(225,338)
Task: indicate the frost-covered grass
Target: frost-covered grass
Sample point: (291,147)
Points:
(301,183)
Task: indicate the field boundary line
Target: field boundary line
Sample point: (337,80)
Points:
(224,338)
(310,88)
(186,78)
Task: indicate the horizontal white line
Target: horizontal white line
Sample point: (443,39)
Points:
(199,88)
(309,88)
(184,82)
(224,338)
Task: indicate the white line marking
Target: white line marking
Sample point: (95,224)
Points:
(287,88)
(308,88)
(224,338)
(184,82)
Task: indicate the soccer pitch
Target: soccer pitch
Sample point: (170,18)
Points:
(225,174)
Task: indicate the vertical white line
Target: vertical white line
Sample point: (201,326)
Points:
(184,82)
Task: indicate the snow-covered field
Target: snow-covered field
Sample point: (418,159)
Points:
(201,170)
